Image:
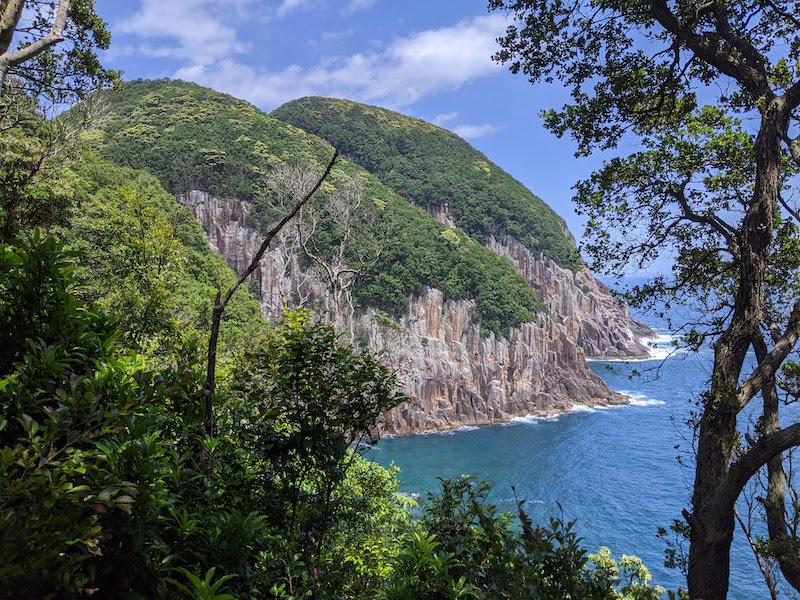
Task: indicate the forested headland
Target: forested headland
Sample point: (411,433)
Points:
(159,438)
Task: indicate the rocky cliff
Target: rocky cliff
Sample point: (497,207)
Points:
(454,374)
(601,324)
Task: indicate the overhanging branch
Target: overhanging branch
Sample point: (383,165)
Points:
(53,37)
(759,454)
(752,76)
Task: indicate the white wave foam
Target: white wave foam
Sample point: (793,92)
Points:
(609,406)
(448,431)
(659,347)
(638,399)
(660,338)
(664,353)
(662,346)
(582,408)
(646,402)
(467,428)
(534,419)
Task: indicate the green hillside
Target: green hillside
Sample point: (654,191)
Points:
(191,137)
(144,258)
(431,166)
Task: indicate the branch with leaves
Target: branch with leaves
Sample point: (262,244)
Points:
(31,34)
(705,192)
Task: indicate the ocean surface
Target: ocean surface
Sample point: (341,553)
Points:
(615,470)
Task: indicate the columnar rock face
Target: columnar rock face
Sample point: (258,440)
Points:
(453,374)
(600,323)
(457,376)
(279,280)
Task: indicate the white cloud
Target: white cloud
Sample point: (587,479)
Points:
(187,30)
(288,6)
(471,132)
(264,89)
(352,6)
(356,5)
(468,132)
(444,119)
(334,36)
(408,69)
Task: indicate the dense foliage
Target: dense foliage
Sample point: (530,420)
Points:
(50,49)
(109,487)
(432,167)
(193,138)
(36,187)
(144,258)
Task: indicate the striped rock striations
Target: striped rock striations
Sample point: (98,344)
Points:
(454,374)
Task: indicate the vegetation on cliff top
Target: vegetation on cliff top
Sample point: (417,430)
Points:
(433,167)
(194,138)
(144,258)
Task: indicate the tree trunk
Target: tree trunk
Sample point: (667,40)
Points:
(712,520)
(775,502)
(211,367)
(4,66)
(711,534)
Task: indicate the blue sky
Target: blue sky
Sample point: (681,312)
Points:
(429,59)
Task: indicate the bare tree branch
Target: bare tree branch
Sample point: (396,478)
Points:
(222,301)
(712,220)
(764,568)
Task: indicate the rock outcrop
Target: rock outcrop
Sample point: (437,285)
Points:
(600,323)
(457,376)
(453,373)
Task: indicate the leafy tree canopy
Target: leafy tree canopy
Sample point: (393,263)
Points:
(707,95)
(144,258)
(49,49)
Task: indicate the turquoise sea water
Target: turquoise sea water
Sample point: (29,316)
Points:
(614,470)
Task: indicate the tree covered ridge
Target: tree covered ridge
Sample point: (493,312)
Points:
(191,137)
(431,166)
